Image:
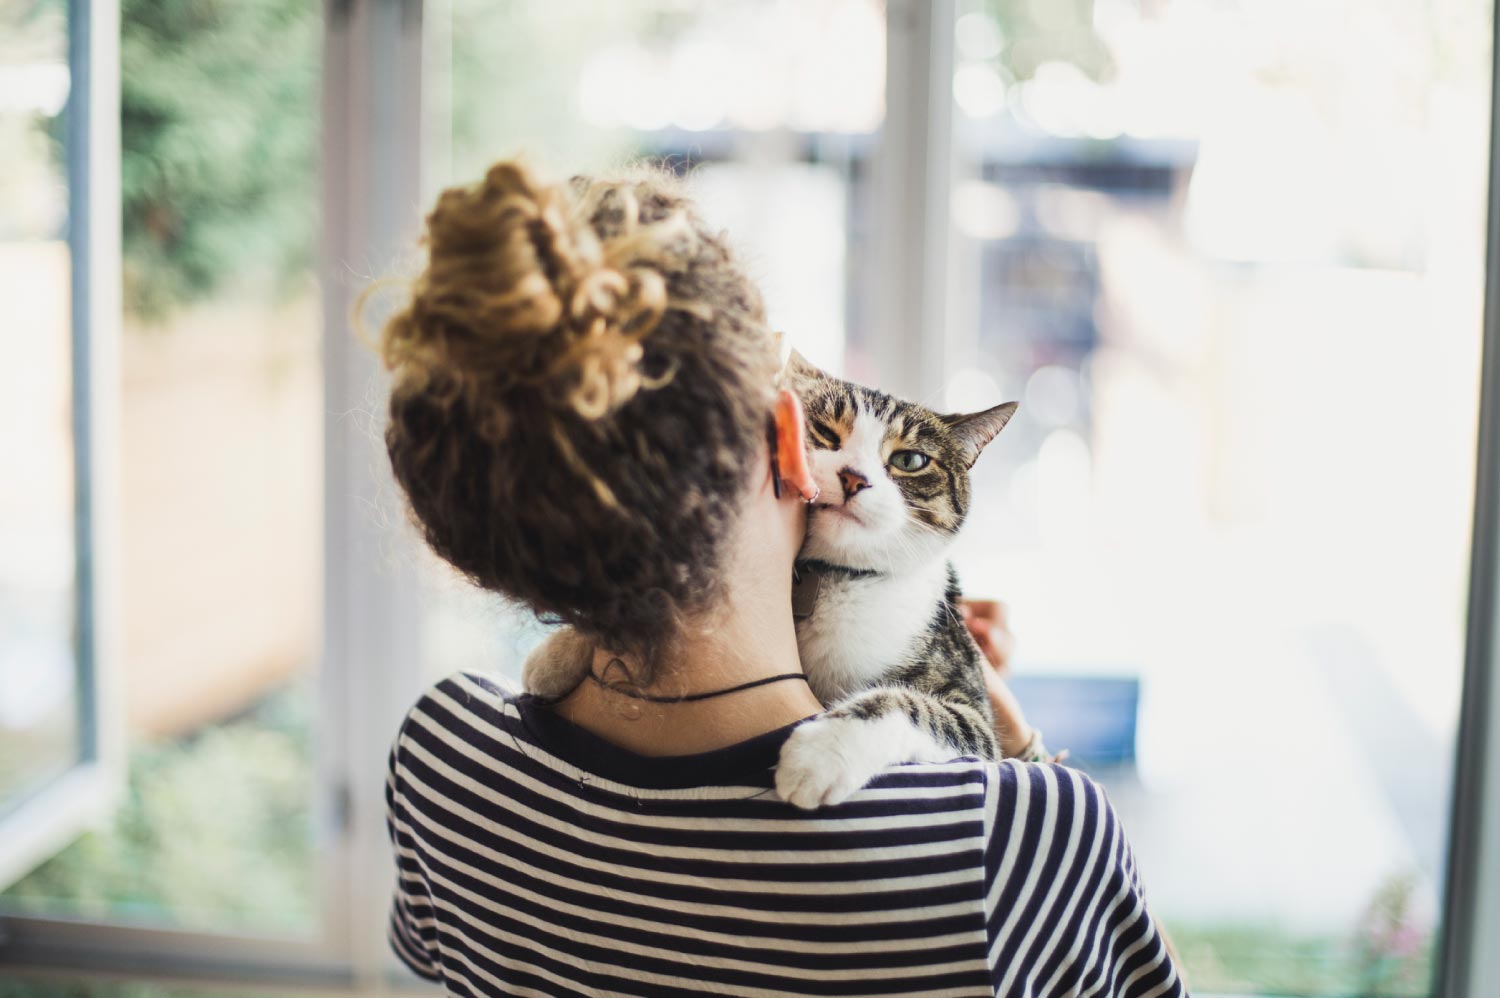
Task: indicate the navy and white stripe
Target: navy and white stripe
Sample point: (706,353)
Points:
(536,859)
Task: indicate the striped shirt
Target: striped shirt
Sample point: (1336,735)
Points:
(534,858)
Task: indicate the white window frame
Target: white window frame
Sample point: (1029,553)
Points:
(912,288)
(48,819)
(372,203)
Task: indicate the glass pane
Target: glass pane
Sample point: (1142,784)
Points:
(770,109)
(39,692)
(222,478)
(1230,259)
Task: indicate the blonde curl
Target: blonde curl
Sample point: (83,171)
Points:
(520,290)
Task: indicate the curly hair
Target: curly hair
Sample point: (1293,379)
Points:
(582,374)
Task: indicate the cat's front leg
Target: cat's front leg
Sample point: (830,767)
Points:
(827,759)
(557,665)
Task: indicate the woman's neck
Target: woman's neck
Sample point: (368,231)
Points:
(749,636)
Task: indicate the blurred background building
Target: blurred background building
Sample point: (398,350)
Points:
(1229,255)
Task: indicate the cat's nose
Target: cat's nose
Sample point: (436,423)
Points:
(853,482)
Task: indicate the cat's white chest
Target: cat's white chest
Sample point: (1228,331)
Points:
(862,628)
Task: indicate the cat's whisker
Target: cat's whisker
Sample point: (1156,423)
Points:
(954,617)
(907,548)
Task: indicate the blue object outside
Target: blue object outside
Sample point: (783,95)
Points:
(1093,717)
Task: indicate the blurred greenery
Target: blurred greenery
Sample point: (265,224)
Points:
(219,106)
(218,130)
(1270,959)
(214,831)
(84,988)
(1033,33)
(514,67)
(34,36)
(1394,949)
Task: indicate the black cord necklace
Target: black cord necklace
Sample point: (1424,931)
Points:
(694,696)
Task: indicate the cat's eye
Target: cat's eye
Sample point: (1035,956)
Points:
(909,460)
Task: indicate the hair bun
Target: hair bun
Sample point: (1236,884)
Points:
(521,290)
(582,380)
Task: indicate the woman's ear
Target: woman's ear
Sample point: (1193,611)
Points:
(791,445)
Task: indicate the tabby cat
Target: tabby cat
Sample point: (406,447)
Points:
(879,629)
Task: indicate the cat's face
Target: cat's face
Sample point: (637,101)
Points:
(893,475)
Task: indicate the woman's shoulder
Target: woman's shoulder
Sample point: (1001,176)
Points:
(470,688)
(468,702)
(1009,778)
(1015,774)
(1041,812)
(1064,903)
(1039,802)
(1018,788)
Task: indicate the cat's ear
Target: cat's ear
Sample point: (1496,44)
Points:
(975,429)
(799,371)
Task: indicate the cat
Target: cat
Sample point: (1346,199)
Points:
(879,629)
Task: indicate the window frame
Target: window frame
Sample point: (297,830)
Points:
(86,790)
(912,287)
(1469,962)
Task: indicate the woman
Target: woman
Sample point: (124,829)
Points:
(584,417)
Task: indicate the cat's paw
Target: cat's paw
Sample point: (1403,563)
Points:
(826,760)
(556,666)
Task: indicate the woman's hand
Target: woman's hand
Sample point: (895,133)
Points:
(988,623)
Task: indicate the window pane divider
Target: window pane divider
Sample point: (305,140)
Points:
(371,197)
(912,177)
(1470,959)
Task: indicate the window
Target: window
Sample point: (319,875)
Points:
(217,552)
(55,771)
(1229,257)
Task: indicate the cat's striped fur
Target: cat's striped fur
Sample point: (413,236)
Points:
(885,644)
